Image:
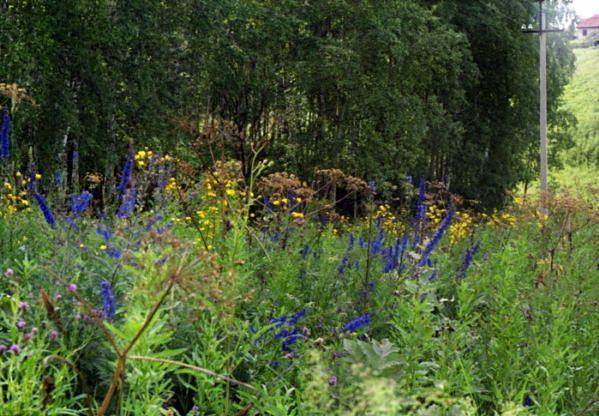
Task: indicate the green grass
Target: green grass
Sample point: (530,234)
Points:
(581,97)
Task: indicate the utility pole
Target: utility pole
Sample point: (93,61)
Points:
(542,31)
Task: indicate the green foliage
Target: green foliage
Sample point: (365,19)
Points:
(378,89)
(582,100)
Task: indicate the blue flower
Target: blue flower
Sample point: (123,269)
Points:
(128,204)
(421,203)
(80,203)
(295,318)
(305,251)
(343,264)
(113,252)
(41,201)
(287,333)
(126,173)
(57,177)
(428,249)
(468,257)
(108,302)
(103,232)
(4,141)
(354,325)
(372,186)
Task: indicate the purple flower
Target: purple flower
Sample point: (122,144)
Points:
(333,380)
(371,185)
(41,201)
(113,252)
(421,203)
(53,335)
(108,302)
(468,257)
(126,174)
(428,249)
(4,141)
(21,325)
(128,204)
(80,203)
(104,232)
(354,325)
(23,306)
(14,348)
(72,287)
(9,273)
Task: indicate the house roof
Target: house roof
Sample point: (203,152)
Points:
(590,22)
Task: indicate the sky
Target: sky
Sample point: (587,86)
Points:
(586,8)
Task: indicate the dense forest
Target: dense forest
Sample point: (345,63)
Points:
(382,89)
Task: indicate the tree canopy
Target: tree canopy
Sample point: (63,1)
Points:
(382,89)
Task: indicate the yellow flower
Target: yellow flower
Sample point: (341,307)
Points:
(276,203)
(230,192)
(297,215)
(8,186)
(103,247)
(38,176)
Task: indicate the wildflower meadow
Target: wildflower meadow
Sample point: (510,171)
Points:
(305,208)
(201,293)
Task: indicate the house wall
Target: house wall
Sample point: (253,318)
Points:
(589,31)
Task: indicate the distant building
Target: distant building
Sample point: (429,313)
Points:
(587,27)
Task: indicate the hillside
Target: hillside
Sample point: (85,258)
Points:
(581,97)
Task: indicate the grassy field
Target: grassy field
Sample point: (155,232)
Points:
(187,302)
(581,97)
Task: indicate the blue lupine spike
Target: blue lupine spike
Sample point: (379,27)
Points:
(128,204)
(41,201)
(354,325)
(350,243)
(104,232)
(295,318)
(421,203)
(80,203)
(126,173)
(305,251)
(4,136)
(291,197)
(428,249)
(361,242)
(468,257)
(108,301)
(342,265)
(113,252)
